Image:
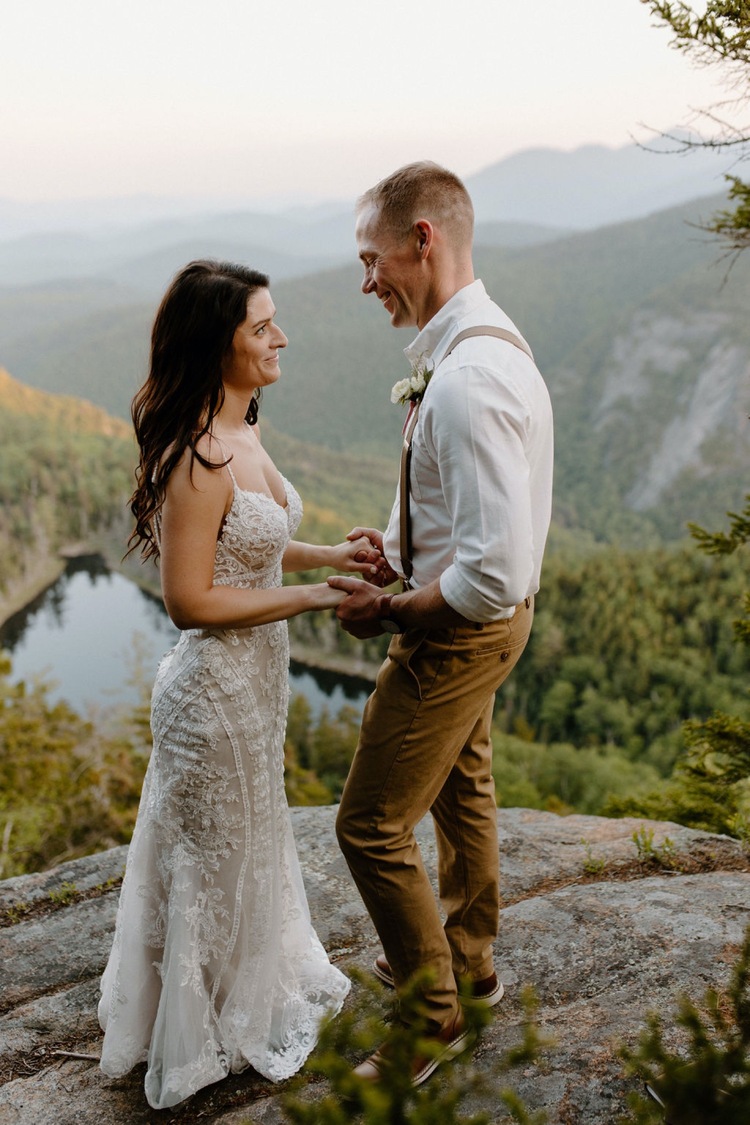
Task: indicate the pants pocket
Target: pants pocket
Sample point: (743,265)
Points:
(422,656)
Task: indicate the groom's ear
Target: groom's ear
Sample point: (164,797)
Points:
(424,234)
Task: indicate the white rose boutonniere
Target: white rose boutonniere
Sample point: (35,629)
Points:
(413,388)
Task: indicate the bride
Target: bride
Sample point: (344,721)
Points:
(215,965)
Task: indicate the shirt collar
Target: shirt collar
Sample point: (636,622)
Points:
(434,339)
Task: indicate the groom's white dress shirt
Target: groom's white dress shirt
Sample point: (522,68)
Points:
(481,468)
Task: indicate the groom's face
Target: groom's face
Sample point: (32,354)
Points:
(391,268)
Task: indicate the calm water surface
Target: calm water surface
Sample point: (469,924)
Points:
(95,635)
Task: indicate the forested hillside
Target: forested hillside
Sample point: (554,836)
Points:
(626,646)
(642,337)
(65,475)
(644,346)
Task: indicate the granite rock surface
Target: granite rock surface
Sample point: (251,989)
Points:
(606,919)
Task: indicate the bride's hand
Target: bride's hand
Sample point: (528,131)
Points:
(385,573)
(325,596)
(358,556)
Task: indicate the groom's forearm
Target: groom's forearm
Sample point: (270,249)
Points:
(365,608)
(424,609)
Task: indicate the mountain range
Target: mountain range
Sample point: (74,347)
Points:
(581,188)
(594,185)
(639,327)
(528,197)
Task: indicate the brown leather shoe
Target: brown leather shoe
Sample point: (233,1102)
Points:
(382,971)
(450,1041)
(485,993)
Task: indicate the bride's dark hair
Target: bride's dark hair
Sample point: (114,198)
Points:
(192,336)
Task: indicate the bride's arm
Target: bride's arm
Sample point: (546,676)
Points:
(358,556)
(191,519)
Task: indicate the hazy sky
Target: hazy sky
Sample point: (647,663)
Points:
(293,98)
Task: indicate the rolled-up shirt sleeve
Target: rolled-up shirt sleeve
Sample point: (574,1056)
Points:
(476,429)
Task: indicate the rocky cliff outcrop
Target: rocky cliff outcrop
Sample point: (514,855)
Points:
(689,383)
(605,930)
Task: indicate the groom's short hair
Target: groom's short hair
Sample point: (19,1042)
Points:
(423,190)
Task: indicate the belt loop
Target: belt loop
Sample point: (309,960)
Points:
(527,602)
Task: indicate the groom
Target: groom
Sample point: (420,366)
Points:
(466,537)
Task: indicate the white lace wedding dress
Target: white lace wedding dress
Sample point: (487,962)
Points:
(215,965)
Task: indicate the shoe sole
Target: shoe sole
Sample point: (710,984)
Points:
(456,1047)
(487,1001)
(384,978)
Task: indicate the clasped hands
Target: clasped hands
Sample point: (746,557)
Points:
(358,612)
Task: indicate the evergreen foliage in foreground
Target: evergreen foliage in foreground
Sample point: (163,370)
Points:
(706,1081)
(718,34)
(441,1101)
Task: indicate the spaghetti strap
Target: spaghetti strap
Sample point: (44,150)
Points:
(227,455)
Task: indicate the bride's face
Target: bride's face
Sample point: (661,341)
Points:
(254,359)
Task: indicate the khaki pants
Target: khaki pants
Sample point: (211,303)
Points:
(425,745)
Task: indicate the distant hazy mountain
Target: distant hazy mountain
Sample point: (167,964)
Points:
(582,189)
(644,342)
(19,218)
(150,256)
(593,185)
(531,197)
(645,350)
(147,256)
(100,355)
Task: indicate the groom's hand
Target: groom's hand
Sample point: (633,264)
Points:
(358,612)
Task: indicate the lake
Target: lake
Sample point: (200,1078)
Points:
(96,637)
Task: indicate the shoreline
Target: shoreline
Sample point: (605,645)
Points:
(43,573)
(26,590)
(342,666)
(40,579)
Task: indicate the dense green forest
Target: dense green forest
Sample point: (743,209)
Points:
(66,472)
(626,648)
